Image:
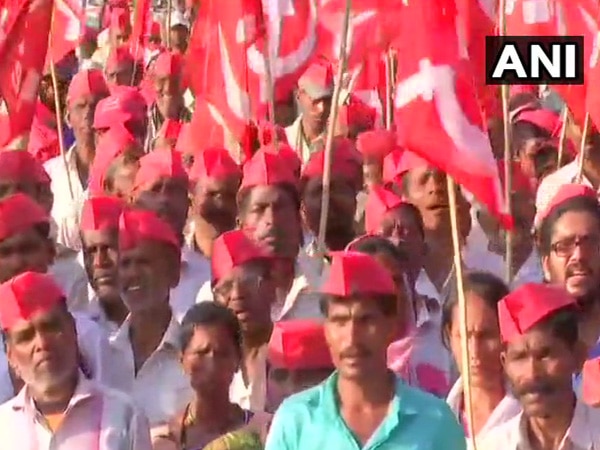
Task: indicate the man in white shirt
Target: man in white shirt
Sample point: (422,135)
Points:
(147,344)
(58,406)
(539,327)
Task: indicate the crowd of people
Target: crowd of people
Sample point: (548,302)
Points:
(159,294)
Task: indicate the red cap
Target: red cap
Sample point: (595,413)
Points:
(214,163)
(118,56)
(18,213)
(266,169)
(124,104)
(392,167)
(357,114)
(26,295)
(168,64)
(170,129)
(542,118)
(101,213)
(110,145)
(411,161)
(317,80)
(285,152)
(21,167)
(520,181)
(346,161)
(87,82)
(186,140)
(161,163)
(232,249)
(355,274)
(379,202)
(137,225)
(527,306)
(564,193)
(299,345)
(376,143)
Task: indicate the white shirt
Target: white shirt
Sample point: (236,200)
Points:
(195,272)
(160,388)
(583,434)
(508,408)
(253,396)
(97,314)
(66,209)
(297,141)
(95,419)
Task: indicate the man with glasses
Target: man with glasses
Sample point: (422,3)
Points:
(569,243)
(241,282)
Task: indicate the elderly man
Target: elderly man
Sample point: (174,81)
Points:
(147,343)
(542,351)
(58,407)
(315,89)
(363,404)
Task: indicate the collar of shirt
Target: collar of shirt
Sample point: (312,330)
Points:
(251,396)
(169,342)
(85,390)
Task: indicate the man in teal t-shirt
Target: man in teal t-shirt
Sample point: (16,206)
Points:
(362,405)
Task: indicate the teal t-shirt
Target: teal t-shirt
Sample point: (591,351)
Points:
(417,420)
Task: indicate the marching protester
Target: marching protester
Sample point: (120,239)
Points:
(542,351)
(58,407)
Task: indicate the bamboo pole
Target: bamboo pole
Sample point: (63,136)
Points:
(582,148)
(168,22)
(562,140)
(321,247)
(462,307)
(389,90)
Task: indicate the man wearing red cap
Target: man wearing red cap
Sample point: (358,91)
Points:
(241,281)
(99,236)
(569,243)
(120,67)
(179,33)
(58,406)
(269,211)
(362,404)
(25,246)
(68,182)
(315,89)
(346,182)
(168,89)
(147,343)
(119,30)
(542,350)
(298,359)
(124,107)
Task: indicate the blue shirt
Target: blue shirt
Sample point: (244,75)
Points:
(311,420)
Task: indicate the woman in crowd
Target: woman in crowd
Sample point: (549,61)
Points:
(211,343)
(491,403)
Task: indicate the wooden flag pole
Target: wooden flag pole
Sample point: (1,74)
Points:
(270,84)
(321,247)
(507,155)
(462,307)
(58,111)
(389,89)
(563,136)
(168,22)
(582,147)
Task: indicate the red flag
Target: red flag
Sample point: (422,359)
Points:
(437,112)
(23,47)
(69,20)
(142,23)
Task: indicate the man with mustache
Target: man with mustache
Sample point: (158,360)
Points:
(100,239)
(25,245)
(69,182)
(569,242)
(162,185)
(542,351)
(241,281)
(167,89)
(362,404)
(147,344)
(269,212)
(346,182)
(315,89)
(58,406)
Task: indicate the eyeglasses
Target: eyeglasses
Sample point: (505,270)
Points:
(566,247)
(248,282)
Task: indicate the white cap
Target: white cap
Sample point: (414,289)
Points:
(178,18)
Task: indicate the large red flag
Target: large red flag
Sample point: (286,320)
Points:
(24,33)
(437,112)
